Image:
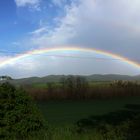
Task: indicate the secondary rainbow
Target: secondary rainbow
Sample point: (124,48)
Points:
(68,48)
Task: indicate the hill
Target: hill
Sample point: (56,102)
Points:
(57,78)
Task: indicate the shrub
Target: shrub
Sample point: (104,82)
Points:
(19,117)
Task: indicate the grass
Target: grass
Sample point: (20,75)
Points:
(99,83)
(94,84)
(66,134)
(63,115)
(68,112)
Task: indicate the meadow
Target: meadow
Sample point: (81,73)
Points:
(75,120)
(69,112)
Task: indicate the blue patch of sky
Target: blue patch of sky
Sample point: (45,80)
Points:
(16,23)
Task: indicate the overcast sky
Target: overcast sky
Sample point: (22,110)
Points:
(108,25)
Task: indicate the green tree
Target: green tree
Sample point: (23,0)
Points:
(81,86)
(19,117)
(70,85)
(74,86)
(50,87)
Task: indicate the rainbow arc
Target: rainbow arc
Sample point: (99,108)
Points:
(69,48)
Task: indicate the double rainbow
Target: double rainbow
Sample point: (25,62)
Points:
(68,48)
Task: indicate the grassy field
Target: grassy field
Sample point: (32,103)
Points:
(58,84)
(62,117)
(69,112)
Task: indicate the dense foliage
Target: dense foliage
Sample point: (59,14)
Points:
(19,117)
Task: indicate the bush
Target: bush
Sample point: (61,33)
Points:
(19,117)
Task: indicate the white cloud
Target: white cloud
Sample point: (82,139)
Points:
(39,31)
(58,2)
(110,25)
(31,3)
(62,33)
(41,65)
(3,58)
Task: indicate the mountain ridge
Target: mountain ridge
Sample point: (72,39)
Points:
(90,78)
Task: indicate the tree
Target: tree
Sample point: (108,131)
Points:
(5,78)
(70,85)
(19,117)
(50,87)
(81,86)
(74,86)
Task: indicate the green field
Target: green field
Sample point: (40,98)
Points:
(112,115)
(69,112)
(58,84)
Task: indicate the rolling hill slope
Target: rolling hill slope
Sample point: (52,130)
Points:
(57,78)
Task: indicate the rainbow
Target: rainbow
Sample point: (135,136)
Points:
(68,48)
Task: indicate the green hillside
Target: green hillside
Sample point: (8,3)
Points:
(57,78)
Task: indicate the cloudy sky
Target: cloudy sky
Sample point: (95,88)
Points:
(108,25)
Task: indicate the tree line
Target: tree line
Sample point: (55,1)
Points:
(77,87)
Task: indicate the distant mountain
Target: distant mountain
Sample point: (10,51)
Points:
(57,78)
(112,77)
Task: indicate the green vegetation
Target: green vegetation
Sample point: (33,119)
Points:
(74,109)
(116,119)
(78,88)
(19,117)
(69,112)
